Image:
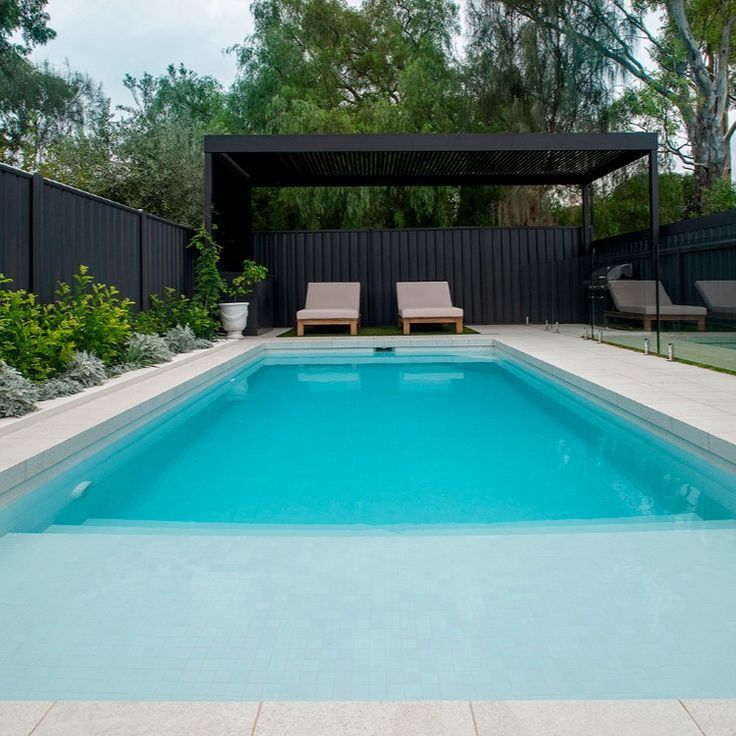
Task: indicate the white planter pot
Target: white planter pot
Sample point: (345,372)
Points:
(234,317)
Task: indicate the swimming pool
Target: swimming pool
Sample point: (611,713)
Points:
(375,525)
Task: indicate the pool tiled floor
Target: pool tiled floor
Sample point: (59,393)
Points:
(567,614)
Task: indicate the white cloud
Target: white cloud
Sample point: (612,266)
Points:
(109,38)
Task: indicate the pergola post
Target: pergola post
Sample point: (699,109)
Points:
(587,218)
(208,197)
(654,233)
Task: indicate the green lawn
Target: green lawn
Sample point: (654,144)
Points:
(381,331)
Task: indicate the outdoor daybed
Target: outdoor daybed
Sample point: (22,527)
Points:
(637,300)
(422,302)
(719,296)
(330,303)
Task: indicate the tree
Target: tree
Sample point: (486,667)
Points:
(525,77)
(39,105)
(159,142)
(693,71)
(23,25)
(323,66)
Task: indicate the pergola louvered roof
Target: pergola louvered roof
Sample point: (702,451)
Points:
(428,159)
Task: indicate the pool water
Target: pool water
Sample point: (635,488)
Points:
(386,442)
(375,527)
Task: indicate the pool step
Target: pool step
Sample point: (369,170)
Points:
(146,527)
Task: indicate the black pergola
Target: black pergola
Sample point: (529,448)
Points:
(236,164)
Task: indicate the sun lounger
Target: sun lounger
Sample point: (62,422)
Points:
(637,300)
(330,303)
(719,296)
(422,302)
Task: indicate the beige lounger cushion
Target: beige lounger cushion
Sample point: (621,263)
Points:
(331,300)
(720,296)
(639,297)
(327,314)
(431,312)
(425,299)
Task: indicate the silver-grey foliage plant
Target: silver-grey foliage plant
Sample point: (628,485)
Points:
(59,386)
(147,349)
(18,395)
(86,369)
(180,339)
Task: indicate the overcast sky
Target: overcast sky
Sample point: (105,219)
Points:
(109,38)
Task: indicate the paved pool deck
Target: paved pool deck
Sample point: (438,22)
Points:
(418,718)
(697,405)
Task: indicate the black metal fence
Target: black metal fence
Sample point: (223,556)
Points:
(47,230)
(497,275)
(484,266)
(702,248)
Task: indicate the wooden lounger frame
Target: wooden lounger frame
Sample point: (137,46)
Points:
(649,319)
(352,323)
(406,322)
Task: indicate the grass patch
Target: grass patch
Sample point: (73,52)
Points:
(380,331)
(715,368)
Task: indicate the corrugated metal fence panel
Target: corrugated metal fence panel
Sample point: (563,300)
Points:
(47,230)
(484,266)
(15,225)
(81,230)
(166,261)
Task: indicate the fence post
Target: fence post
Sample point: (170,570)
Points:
(142,244)
(35,260)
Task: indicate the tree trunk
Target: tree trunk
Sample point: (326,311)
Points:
(709,154)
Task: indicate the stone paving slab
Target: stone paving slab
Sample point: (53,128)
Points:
(374,718)
(122,718)
(20,717)
(715,717)
(584,718)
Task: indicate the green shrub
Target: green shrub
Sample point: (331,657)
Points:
(174,309)
(33,337)
(244,283)
(18,395)
(147,350)
(208,283)
(99,320)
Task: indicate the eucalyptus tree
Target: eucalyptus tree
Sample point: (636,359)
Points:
(685,66)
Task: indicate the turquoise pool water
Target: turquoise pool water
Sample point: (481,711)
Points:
(384,442)
(375,526)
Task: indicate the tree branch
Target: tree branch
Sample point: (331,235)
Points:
(676,10)
(729,133)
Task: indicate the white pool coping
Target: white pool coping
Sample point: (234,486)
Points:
(371,718)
